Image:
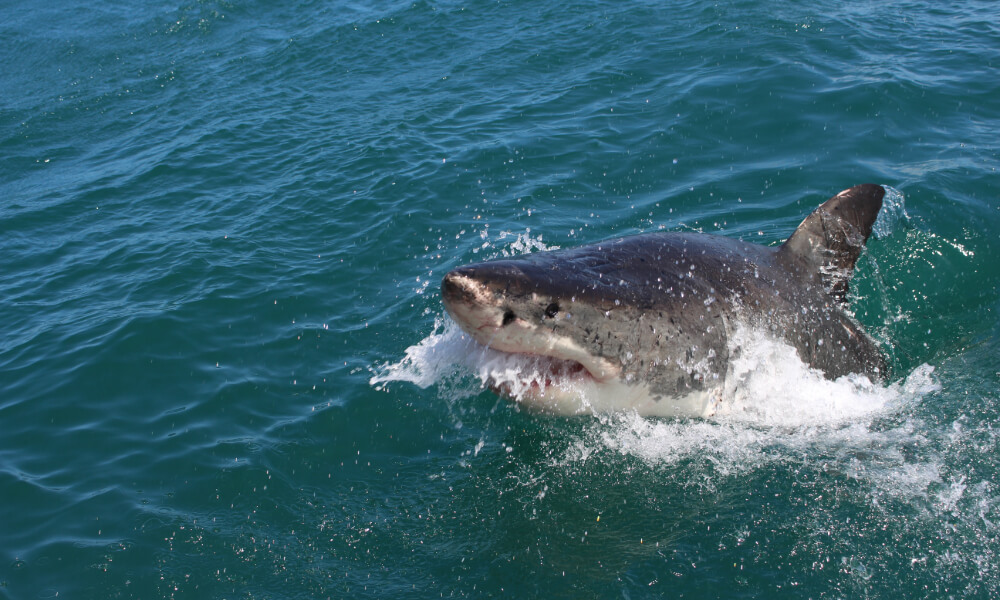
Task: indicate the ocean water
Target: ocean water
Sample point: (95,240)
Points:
(225,371)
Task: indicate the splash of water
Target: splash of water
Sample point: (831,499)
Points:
(893,215)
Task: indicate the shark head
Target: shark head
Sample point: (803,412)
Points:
(605,341)
(502,307)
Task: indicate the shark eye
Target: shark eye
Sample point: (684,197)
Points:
(552,310)
(508,318)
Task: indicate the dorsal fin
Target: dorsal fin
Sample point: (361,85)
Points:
(831,239)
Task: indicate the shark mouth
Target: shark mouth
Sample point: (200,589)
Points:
(519,373)
(521,376)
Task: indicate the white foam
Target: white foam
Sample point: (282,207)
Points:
(768,384)
(429,361)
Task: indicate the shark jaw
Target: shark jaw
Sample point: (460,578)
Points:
(546,372)
(564,389)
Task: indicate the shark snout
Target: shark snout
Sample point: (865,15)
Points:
(468,300)
(483,284)
(455,287)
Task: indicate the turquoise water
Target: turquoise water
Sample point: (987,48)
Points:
(223,225)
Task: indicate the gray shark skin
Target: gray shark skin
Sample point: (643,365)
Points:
(644,322)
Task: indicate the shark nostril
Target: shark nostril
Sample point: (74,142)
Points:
(508,318)
(552,310)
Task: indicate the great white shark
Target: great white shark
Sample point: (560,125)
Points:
(645,322)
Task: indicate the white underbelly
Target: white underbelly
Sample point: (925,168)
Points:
(591,397)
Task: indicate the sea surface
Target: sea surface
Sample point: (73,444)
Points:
(225,371)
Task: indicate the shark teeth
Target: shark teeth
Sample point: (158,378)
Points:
(537,375)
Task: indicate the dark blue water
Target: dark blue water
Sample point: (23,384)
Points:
(222,228)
